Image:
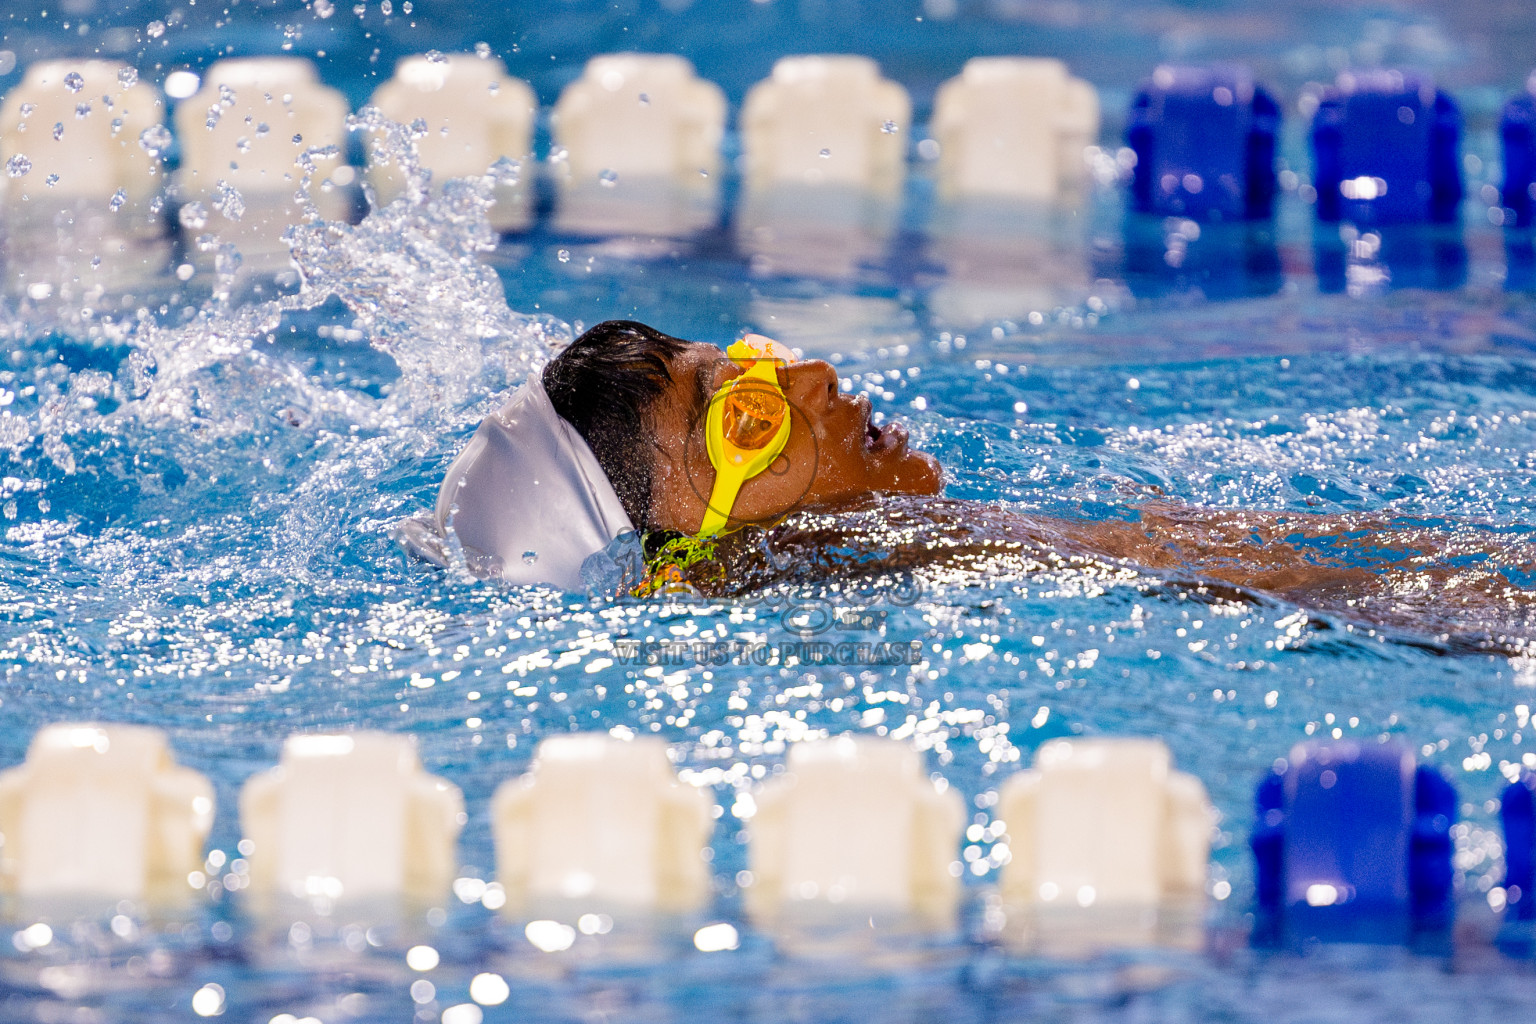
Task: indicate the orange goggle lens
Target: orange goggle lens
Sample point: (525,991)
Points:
(752,416)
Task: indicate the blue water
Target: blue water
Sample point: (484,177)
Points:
(197,499)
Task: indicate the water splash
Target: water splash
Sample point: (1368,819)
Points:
(410,281)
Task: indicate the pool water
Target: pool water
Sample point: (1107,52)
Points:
(197,491)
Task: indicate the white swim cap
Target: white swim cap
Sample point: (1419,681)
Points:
(526,498)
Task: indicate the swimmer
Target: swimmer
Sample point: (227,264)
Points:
(747,467)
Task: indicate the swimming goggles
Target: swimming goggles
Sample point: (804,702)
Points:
(747,426)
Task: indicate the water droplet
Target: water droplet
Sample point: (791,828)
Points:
(407,7)
(298,140)
(324,9)
(889,128)
(483,50)
(558,155)
(506,171)
(51,180)
(608,179)
(26,110)
(564,255)
(825,154)
(117,125)
(243,144)
(386,8)
(17,165)
(155,29)
(227,96)
(262,129)
(128,77)
(58,130)
(155,139)
(436,57)
(73,82)
(228,201)
(193,216)
(227,262)
(82,111)
(118,199)
(214,113)
(359,9)
(645,99)
(529,557)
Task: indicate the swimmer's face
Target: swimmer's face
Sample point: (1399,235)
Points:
(833,455)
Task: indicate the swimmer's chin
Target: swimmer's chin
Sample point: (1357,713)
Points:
(919,473)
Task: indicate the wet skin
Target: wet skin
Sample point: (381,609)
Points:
(833,455)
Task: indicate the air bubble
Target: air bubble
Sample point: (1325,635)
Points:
(82,111)
(483,50)
(529,557)
(825,154)
(119,198)
(51,180)
(890,128)
(324,9)
(128,77)
(58,130)
(73,82)
(155,29)
(564,255)
(18,165)
(436,57)
(608,179)
(645,99)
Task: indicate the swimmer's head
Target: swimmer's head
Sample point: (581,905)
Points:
(640,399)
(606,384)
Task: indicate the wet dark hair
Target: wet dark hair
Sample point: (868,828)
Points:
(604,384)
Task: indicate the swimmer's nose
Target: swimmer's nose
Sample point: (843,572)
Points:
(812,383)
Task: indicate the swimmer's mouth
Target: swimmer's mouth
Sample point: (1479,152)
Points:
(879,440)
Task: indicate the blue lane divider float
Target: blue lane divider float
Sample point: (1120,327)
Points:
(1204,139)
(1518,129)
(1517,815)
(1352,843)
(1384,149)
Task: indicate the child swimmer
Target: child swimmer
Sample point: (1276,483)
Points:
(745,467)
